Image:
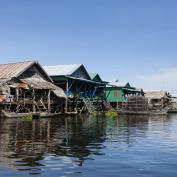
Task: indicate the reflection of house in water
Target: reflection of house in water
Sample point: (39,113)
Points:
(126,129)
(32,143)
(27,141)
(89,130)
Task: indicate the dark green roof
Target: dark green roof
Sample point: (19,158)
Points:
(96,77)
(93,75)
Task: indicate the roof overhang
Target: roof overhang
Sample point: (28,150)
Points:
(132,90)
(83,80)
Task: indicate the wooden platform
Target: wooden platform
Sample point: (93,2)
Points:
(34,115)
(122,112)
(172,111)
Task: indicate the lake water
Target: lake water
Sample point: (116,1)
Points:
(89,146)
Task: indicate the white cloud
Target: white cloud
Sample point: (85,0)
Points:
(165,79)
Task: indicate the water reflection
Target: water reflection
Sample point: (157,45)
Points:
(27,143)
(67,146)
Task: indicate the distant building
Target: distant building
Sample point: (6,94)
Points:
(158,99)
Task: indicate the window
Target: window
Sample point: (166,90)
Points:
(115,93)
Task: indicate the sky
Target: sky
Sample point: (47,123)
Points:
(125,40)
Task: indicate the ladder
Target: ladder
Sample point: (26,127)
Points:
(89,105)
(40,106)
(108,106)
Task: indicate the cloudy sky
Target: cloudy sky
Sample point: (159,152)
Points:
(128,40)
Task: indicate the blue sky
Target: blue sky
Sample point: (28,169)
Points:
(129,40)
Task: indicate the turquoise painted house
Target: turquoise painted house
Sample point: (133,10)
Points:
(118,94)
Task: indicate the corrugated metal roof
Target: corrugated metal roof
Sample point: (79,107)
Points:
(86,80)
(61,69)
(117,83)
(11,70)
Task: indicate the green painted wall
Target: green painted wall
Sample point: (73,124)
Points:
(114,94)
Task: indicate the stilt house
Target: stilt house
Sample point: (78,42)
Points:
(117,95)
(78,85)
(158,99)
(25,87)
(75,80)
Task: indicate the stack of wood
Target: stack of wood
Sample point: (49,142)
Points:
(137,103)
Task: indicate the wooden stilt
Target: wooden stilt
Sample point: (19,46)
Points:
(66,101)
(49,101)
(17,93)
(17,99)
(34,107)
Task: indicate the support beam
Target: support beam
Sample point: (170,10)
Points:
(17,93)
(89,90)
(17,99)
(34,97)
(49,101)
(108,94)
(79,88)
(94,91)
(85,90)
(66,101)
(70,85)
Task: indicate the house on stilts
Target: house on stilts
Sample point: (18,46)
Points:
(25,88)
(159,100)
(125,97)
(83,91)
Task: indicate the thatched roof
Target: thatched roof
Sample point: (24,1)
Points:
(34,80)
(156,94)
(42,84)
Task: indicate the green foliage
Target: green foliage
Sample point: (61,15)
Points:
(28,118)
(111,114)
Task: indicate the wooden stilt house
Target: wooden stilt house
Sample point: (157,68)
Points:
(120,96)
(25,87)
(76,82)
(158,100)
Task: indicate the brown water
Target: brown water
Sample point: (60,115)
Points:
(89,146)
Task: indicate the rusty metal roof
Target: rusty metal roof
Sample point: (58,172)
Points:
(11,70)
